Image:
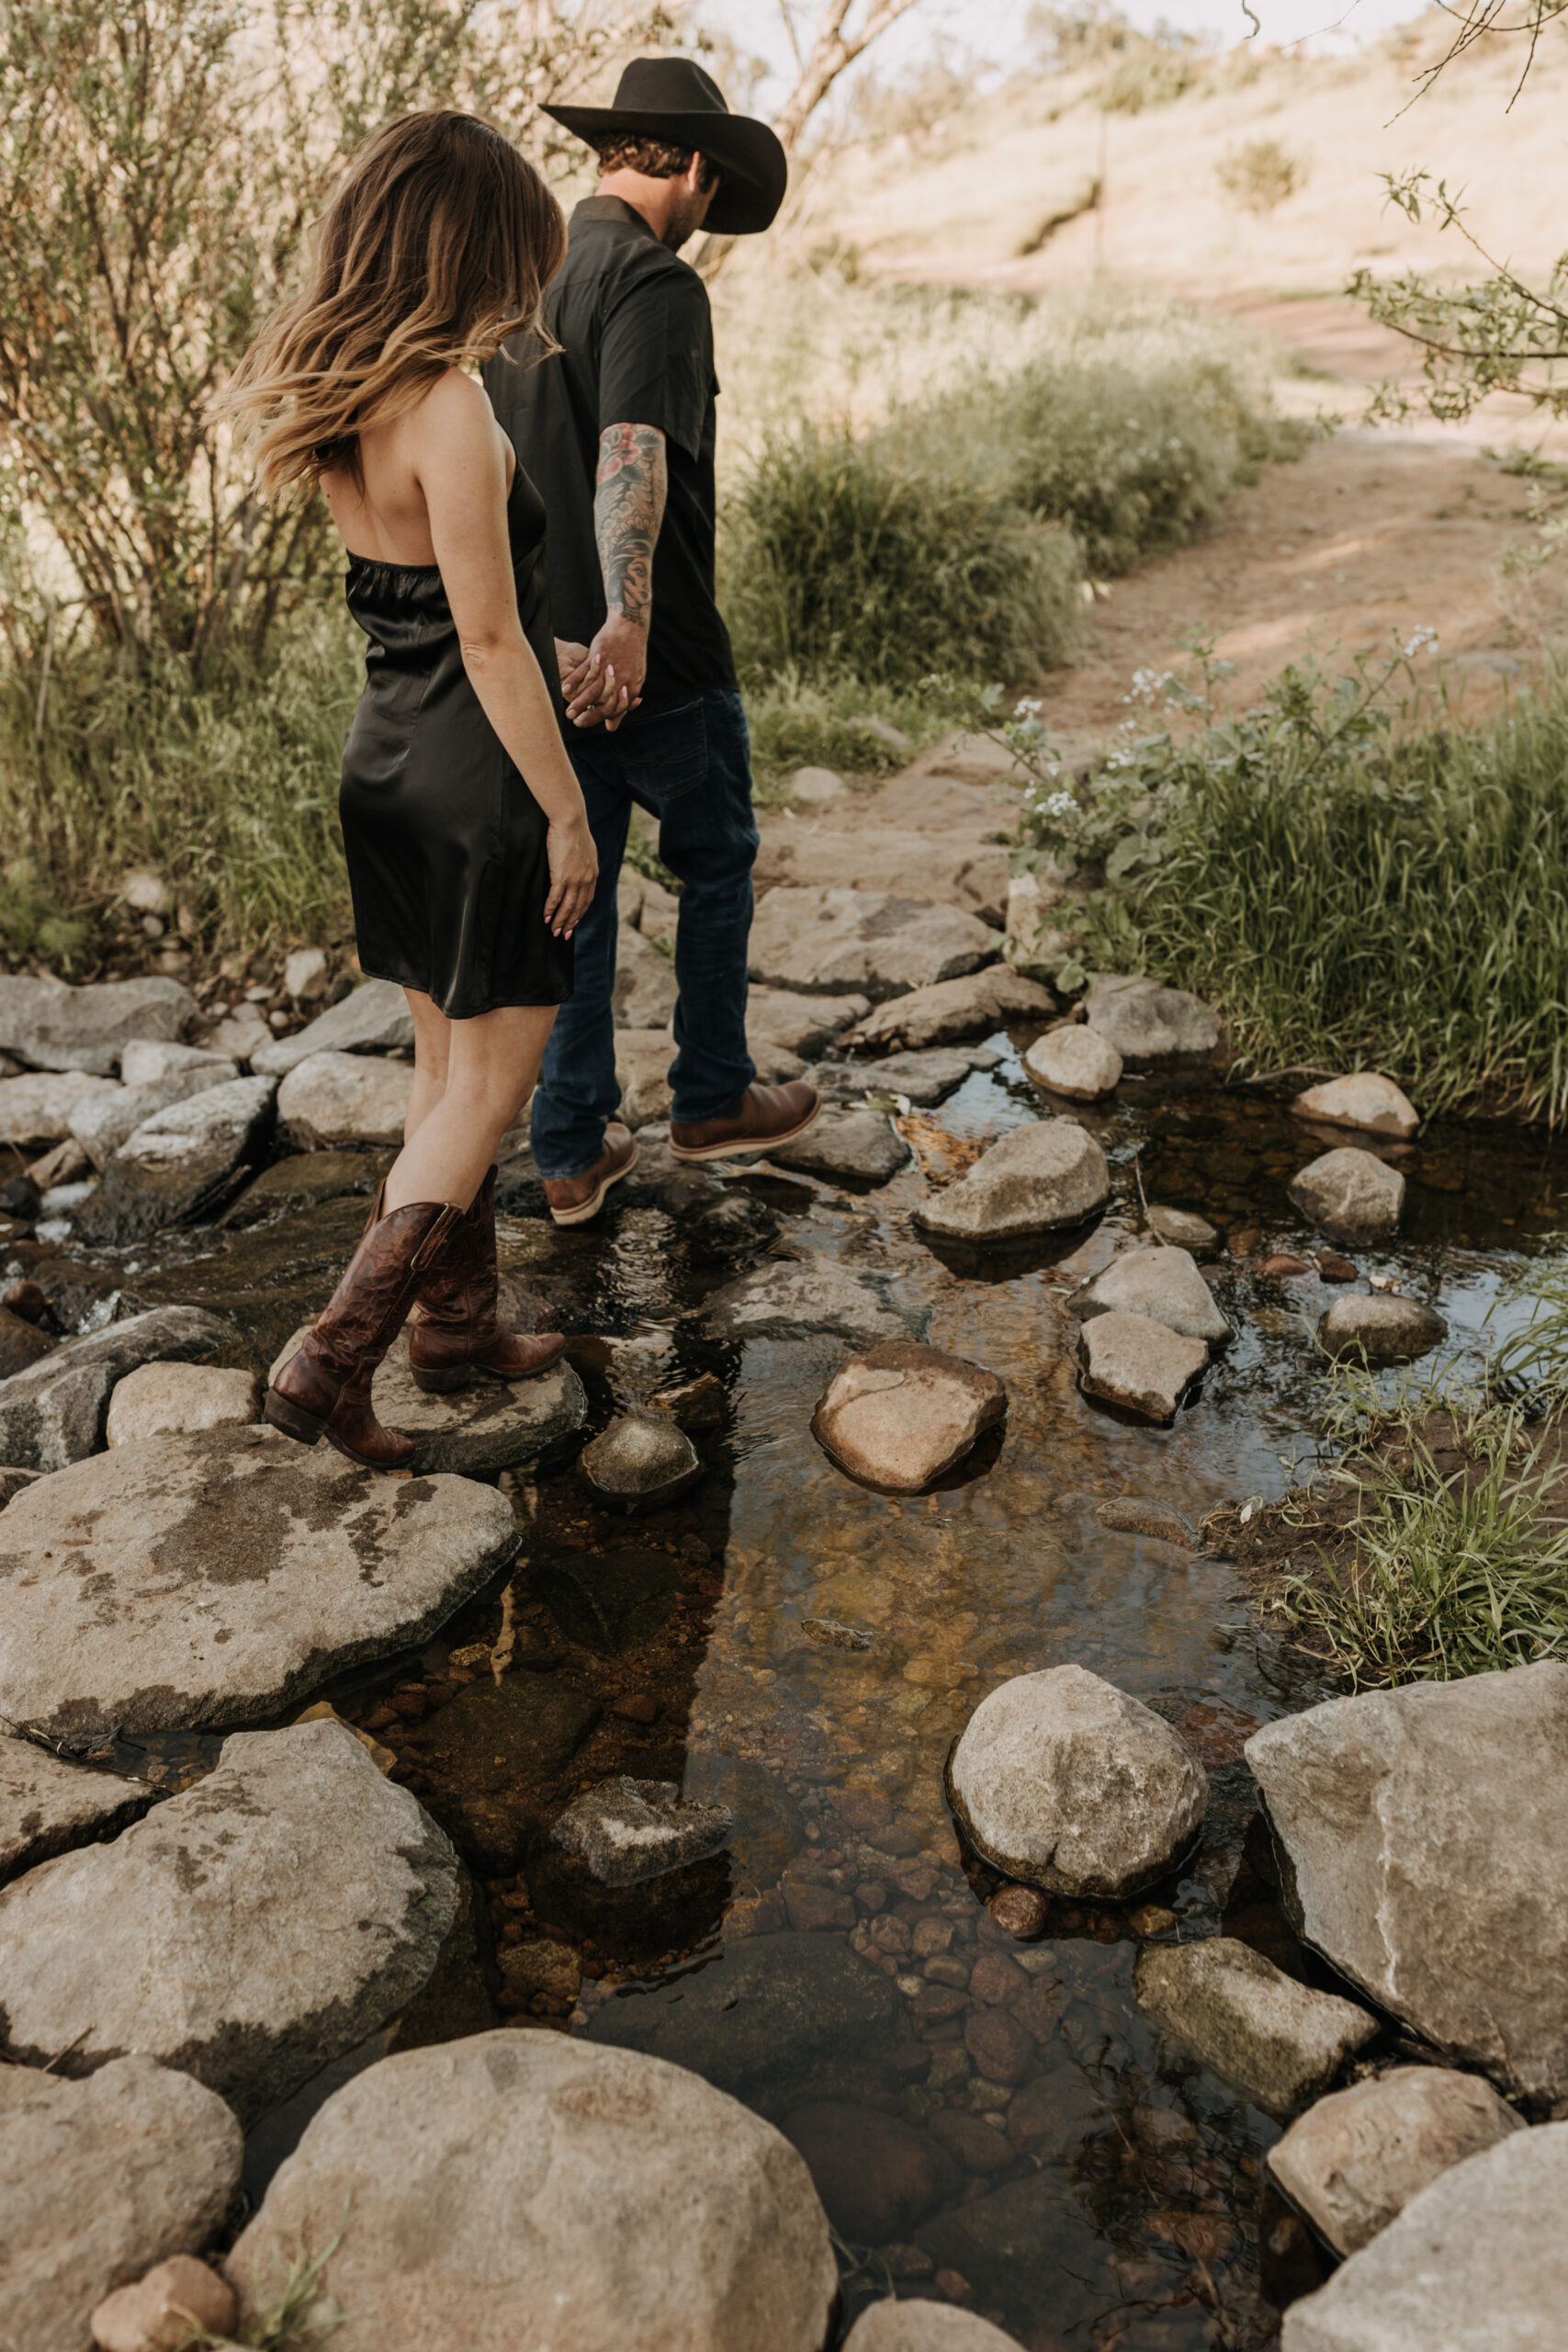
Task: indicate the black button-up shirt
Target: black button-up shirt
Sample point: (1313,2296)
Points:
(635,334)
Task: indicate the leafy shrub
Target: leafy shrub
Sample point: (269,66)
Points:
(840,723)
(1260,173)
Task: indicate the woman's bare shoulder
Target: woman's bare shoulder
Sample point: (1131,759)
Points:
(455,406)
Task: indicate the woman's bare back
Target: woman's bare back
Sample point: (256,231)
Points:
(384,516)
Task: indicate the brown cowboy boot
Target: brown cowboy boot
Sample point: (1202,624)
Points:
(325,1389)
(459,1332)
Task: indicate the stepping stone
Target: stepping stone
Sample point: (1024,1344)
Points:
(48,1806)
(1074,1061)
(1278,2041)
(924,1077)
(1366,1100)
(862,942)
(173,1399)
(330,1100)
(1350,1195)
(1382,1329)
(108,1119)
(1150,1024)
(949,1009)
(793,1300)
(477,1432)
(645,991)
(305,1179)
(899,1416)
(249,1932)
(179,1163)
(99,2180)
(219,1579)
(1066,1783)
(1036,1179)
(628,1830)
(373,1019)
(642,1461)
(1353,2162)
(37,1108)
(52,1413)
(57,1027)
(856,1147)
(1182,1230)
(578,2148)
(1159,1282)
(1141,1366)
(1424,1828)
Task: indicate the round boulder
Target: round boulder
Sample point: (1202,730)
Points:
(1380,1328)
(1067,1784)
(169,1399)
(1034,1180)
(1350,1195)
(915,2323)
(899,1416)
(1367,1100)
(642,1461)
(1074,1061)
(585,2195)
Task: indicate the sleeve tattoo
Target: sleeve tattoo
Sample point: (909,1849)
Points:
(629,507)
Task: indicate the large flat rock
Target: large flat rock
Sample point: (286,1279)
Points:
(521,2193)
(99,2180)
(1157,1281)
(862,942)
(330,1100)
(1423,1829)
(216,1578)
(491,1426)
(52,1413)
(247,1932)
(179,1164)
(1353,2162)
(48,1806)
(971,1007)
(58,1027)
(372,1019)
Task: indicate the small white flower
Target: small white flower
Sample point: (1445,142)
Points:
(1027,709)
(1420,641)
(1061,804)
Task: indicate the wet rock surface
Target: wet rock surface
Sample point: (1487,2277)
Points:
(642,1463)
(875,2173)
(782,1300)
(179,1164)
(1476,2263)
(628,1831)
(332,1099)
(940,1014)
(1350,1195)
(1380,1328)
(1150,1024)
(1278,2041)
(1183,1230)
(303,1181)
(1353,2162)
(52,1413)
(1132,1516)
(1036,1179)
(1068,1784)
(214,1579)
(1367,1100)
(99,2180)
(1030,2242)
(550,2163)
(487,1757)
(900,1414)
(861,1146)
(1141,1366)
(210,1937)
(922,1078)
(57,1027)
(1076,1061)
(1421,1828)
(1160,1282)
(372,1019)
(862,942)
(473,1432)
(48,1806)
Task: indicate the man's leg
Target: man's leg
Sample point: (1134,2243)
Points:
(577,1091)
(707,837)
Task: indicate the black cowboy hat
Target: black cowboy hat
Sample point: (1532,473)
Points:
(670,99)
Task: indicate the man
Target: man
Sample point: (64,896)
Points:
(616,430)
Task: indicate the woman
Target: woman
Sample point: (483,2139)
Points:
(469,855)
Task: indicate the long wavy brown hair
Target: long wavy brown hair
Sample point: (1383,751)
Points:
(438,244)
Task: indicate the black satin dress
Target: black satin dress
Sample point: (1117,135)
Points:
(445,843)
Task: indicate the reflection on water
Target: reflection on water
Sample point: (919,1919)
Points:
(988,2120)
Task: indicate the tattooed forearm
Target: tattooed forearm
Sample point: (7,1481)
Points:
(629,507)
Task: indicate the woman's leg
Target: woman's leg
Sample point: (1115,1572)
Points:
(492,1067)
(432,1047)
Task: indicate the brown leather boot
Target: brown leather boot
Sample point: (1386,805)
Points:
(364,1316)
(764,1117)
(459,1332)
(572,1200)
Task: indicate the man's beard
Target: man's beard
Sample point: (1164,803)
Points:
(686,219)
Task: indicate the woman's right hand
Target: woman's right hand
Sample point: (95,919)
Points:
(574,870)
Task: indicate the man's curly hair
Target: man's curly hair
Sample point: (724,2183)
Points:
(624,150)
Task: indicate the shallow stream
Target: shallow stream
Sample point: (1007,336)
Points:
(1067,2171)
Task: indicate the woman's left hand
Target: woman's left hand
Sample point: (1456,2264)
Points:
(574,871)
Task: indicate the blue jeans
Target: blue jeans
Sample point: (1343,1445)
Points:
(686,758)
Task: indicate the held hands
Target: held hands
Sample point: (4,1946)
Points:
(594,695)
(574,869)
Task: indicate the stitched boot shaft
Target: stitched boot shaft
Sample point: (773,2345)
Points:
(362,1319)
(459,1331)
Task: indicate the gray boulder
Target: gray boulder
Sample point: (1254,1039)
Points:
(1367,1100)
(98,2180)
(786,1300)
(1278,2041)
(1423,1829)
(373,1019)
(247,1932)
(332,1099)
(645,991)
(1157,1281)
(788,1021)
(173,1399)
(856,1147)
(1382,1329)
(179,1163)
(39,1108)
(1148,1024)
(642,1461)
(1350,1195)
(1353,2162)
(476,1431)
(862,942)
(515,2189)
(1476,2263)
(1064,1782)
(105,1121)
(47,1806)
(147,1061)
(217,1578)
(924,1077)
(970,1007)
(921,2326)
(1035,1179)
(56,1027)
(628,1830)
(900,1414)
(1137,1364)
(1076,1061)
(1183,1230)
(52,1413)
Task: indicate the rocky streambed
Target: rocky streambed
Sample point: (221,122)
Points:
(1051,2106)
